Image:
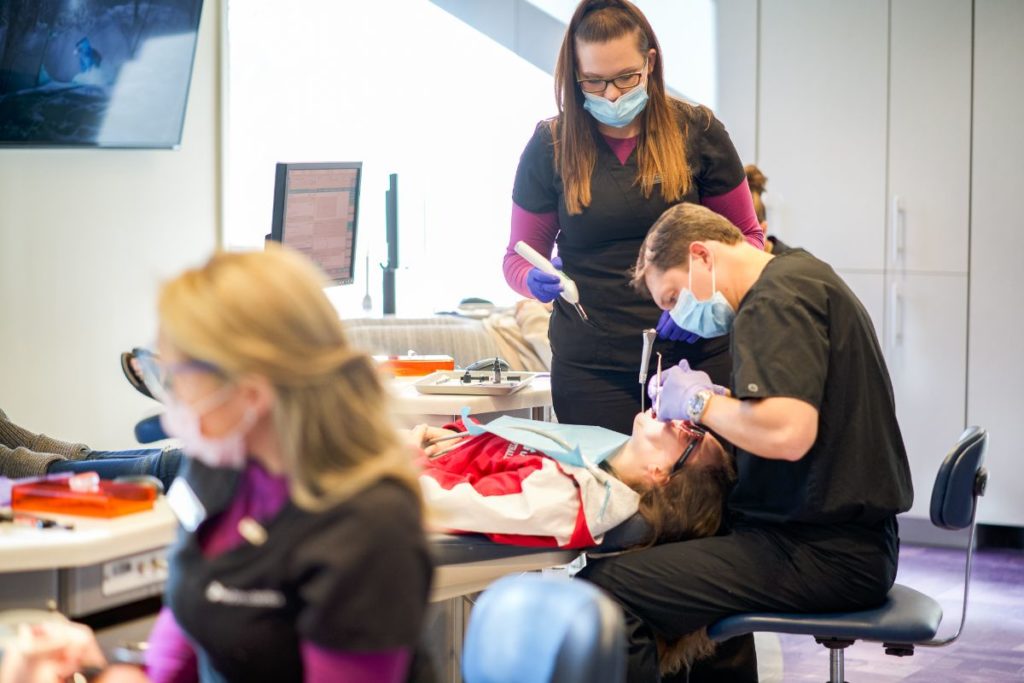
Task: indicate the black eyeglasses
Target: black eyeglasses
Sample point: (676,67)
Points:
(623,82)
(696,436)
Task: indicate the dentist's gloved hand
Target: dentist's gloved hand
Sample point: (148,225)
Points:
(667,329)
(544,287)
(678,385)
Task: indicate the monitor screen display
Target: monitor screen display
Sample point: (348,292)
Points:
(315,209)
(100,73)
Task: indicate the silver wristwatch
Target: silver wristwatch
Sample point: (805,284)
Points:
(697,404)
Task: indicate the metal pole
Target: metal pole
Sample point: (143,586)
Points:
(835,660)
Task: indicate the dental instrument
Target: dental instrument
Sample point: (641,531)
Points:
(569,290)
(657,400)
(448,437)
(645,362)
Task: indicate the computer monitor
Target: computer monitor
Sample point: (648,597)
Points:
(315,211)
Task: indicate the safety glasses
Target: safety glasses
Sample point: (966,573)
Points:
(696,436)
(158,376)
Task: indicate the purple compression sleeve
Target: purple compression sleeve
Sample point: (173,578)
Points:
(536,229)
(170,657)
(738,207)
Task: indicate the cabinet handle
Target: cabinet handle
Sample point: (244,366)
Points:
(898,232)
(895,316)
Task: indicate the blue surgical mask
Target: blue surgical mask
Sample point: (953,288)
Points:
(621,112)
(708,319)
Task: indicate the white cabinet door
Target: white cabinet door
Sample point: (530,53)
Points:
(996,361)
(926,350)
(926,254)
(822,126)
(929,135)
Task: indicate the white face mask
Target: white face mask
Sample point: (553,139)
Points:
(183,422)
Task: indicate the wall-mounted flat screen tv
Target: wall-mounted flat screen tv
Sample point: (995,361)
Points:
(95,73)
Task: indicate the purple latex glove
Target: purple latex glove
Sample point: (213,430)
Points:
(544,287)
(678,385)
(667,329)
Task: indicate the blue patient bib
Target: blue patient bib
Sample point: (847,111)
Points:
(568,444)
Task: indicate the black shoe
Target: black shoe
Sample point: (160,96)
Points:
(132,377)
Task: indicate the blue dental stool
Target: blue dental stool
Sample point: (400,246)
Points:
(908,618)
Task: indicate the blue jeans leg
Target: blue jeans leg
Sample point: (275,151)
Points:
(157,462)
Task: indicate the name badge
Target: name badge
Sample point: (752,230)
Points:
(185,505)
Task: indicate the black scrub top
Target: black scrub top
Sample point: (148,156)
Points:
(599,246)
(801,333)
(354,577)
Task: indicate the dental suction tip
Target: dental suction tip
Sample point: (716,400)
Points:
(583,314)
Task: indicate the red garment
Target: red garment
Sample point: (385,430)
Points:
(516,495)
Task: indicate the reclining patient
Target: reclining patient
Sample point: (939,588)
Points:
(526,482)
(24,453)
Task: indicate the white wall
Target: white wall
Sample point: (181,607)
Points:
(85,238)
(405,88)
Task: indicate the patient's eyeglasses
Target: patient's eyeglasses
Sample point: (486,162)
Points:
(696,436)
(158,376)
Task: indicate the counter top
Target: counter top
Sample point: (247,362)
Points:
(92,540)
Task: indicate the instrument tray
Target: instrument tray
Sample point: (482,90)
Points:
(482,384)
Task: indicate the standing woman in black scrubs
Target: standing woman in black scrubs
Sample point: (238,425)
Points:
(593,180)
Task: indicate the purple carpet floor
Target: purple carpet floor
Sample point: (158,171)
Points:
(990,650)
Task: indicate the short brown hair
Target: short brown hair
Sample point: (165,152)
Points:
(668,241)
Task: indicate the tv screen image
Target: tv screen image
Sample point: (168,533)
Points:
(106,73)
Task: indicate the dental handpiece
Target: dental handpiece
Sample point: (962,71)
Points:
(569,291)
(645,363)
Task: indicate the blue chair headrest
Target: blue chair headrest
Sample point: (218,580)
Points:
(961,479)
(149,430)
(534,628)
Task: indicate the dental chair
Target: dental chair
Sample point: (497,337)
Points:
(907,618)
(541,629)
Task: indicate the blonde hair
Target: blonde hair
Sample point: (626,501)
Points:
(661,149)
(265,313)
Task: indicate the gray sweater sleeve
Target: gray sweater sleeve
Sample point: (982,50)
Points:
(24,453)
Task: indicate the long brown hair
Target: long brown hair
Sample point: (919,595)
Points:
(661,152)
(691,504)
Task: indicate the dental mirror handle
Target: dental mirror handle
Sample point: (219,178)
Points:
(569,291)
(645,355)
(645,363)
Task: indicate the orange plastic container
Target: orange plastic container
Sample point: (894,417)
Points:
(106,499)
(414,366)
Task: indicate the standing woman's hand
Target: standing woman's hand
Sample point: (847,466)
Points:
(543,286)
(667,329)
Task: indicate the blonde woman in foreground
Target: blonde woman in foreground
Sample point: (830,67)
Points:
(302,555)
